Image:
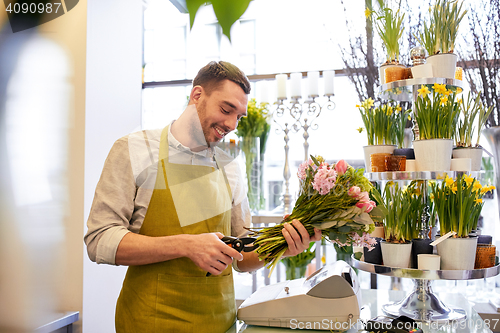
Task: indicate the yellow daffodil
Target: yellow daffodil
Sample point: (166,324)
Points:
(370,102)
(443,100)
(398,109)
(399,91)
(449,181)
(454,189)
(485,189)
(439,88)
(478,201)
(468,179)
(323,259)
(477,186)
(358,106)
(423,91)
(431,196)
(491,187)
(390,183)
(389,110)
(448,92)
(459,90)
(368,12)
(409,117)
(459,101)
(360,129)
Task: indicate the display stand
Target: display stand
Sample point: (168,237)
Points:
(421,304)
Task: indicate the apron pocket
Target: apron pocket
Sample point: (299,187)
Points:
(194,304)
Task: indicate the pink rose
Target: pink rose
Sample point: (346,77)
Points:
(341,167)
(354,191)
(367,205)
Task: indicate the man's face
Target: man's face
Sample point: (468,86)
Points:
(220,111)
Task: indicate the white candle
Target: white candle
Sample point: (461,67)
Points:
(281,85)
(263,87)
(295,84)
(313,78)
(328,77)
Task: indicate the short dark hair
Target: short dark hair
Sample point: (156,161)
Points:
(212,75)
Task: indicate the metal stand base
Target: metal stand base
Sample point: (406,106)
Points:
(423,305)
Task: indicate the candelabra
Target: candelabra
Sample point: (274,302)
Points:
(303,116)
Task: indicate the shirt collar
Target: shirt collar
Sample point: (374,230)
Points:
(174,143)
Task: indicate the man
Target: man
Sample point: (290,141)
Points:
(164,200)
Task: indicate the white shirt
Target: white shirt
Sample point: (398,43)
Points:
(126,185)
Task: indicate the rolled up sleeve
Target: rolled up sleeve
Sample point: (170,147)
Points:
(113,205)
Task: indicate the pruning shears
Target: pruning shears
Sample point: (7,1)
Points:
(243,244)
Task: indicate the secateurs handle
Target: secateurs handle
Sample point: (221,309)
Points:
(240,244)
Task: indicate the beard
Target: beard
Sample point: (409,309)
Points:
(207,127)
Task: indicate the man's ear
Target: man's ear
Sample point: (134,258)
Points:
(195,95)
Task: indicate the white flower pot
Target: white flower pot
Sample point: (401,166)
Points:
(396,255)
(457,253)
(474,153)
(433,154)
(443,64)
(375,149)
(422,71)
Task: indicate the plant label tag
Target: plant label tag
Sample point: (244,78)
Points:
(442,238)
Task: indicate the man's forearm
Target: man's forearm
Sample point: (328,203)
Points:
(137,249)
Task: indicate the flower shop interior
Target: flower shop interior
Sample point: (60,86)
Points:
(344,95)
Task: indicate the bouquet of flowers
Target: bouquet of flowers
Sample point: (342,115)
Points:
(333,198)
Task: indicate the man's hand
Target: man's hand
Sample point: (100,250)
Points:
(298,238)
(209,253)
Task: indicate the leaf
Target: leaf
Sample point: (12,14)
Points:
(228,12)
(364,218)
(326,224)
(345,229)
(192,7)
(358,255)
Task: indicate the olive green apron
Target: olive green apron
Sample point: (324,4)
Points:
(176,295)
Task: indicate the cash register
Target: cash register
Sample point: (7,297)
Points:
(329,298)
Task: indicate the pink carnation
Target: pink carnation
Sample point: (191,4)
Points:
(324,179)
(368,205)
(341,167)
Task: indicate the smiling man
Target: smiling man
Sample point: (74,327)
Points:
(165,199)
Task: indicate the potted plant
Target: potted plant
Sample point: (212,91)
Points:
(253,131)
(445,19)
(471,109)
(296,267)
(384,126)
(399,228)
(436,114)
(458,204)
(389,25)
(418,209)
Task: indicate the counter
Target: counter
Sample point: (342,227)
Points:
(373,300)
